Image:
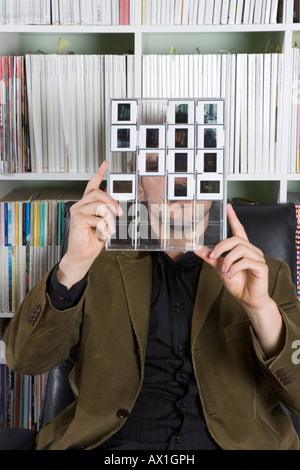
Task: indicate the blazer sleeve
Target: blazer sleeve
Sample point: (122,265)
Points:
(283,371)
(39,336)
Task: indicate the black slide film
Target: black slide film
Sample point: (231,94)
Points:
(122,186)
(124,112)
(123,138)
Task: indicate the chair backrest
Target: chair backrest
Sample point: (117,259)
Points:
(270,227)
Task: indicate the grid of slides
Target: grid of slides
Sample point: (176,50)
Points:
(171,187)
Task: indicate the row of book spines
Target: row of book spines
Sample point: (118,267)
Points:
(112,71)
(26,228)
(20,399)
(129,12)
(177,58)
(182,12)
(18,229)
(66,12)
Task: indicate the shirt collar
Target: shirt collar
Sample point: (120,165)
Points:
(187,260)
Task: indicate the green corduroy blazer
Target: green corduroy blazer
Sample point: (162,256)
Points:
(240,389)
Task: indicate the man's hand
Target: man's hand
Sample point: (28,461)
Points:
(92,221)
(244,273)
(243,270)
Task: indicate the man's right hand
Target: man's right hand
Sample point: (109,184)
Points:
(92,221)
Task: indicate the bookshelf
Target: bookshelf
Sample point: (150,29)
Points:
(157,39)
(152,39)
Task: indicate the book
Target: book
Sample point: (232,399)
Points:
(217,12)
(201,11)
(251,11)
(244,157)
(296,12)
(209,12)
(266,113)
(239,11)
(246,13)
(231,11)
(251,113)
(237,110)
(258,11)
(259,112)
(267,12)
(225,12)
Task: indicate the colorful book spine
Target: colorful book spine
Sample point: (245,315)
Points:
(298,248)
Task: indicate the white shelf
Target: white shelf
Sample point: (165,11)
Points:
(6,315)
(32,29)
(88,176)
(254,177)
(77,29)
(293,177)
(46,177)
(13,39)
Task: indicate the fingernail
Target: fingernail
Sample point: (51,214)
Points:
(212,255)
(229,274)
(120,211)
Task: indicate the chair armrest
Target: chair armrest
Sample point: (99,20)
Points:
(17,439)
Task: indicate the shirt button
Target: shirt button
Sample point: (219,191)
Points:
(122,413)
(182,378)
(180,350)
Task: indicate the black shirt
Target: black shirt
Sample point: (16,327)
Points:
(167,414)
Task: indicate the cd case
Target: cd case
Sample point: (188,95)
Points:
(167,171)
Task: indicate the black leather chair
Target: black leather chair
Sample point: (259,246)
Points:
(270,227)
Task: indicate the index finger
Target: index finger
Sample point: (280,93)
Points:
(97,179)
(236,226)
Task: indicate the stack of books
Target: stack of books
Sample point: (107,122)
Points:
(145,12)
(55,121)
(252,87)
(20,396)
(202,12)
(14,130)
(31,228)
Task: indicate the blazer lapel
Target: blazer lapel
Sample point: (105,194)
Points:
(136,270)
(208,290)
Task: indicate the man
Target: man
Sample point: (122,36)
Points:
(180,224)
(176,350)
